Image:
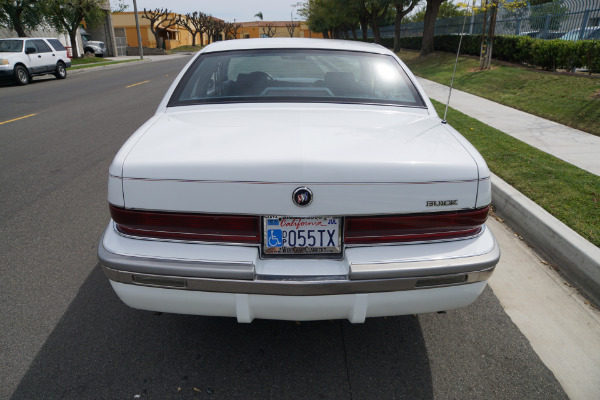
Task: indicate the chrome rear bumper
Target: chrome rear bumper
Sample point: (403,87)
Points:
(240,277)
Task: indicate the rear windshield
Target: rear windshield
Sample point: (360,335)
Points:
(56,44)
(280,75)
(11,46)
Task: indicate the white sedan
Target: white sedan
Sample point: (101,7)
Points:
(297,179)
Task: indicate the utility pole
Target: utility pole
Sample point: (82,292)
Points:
(137,27)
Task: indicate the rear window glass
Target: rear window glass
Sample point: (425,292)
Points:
(41,46)
(296,75)
(56,44)
(11,46)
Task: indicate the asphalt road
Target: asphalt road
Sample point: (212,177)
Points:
(65,334)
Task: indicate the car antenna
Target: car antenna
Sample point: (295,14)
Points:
(455,63)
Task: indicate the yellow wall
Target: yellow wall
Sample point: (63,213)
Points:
(127,20)
(183,37)
(280,31)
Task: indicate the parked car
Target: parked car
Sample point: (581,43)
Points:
(22,58)
(542,34)
(589,33)
(90,46)
(297,179)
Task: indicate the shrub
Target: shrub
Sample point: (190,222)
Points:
(547,54)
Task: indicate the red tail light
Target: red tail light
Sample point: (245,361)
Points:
(183,226)
(414,227)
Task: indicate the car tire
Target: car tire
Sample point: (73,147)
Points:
(89,52)
(61,70)
(21,75)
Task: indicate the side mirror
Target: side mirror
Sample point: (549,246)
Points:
(30,50)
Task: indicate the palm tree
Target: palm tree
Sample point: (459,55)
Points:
(259,15)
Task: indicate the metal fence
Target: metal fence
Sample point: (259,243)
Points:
(577,19)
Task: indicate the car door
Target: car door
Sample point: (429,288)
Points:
(46,55)
(35,58)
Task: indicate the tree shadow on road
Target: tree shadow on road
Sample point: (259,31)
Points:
(104,350)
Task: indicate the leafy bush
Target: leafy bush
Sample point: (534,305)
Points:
(547,54)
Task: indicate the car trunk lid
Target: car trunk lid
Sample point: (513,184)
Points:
(249,159)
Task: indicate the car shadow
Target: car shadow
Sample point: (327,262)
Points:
(32,81)
(102,349)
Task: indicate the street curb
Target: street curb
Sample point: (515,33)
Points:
(100,67)
(123,64)
(577,259)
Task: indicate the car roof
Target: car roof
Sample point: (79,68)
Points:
(28,38)
(294,43)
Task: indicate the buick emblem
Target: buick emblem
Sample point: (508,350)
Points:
(302,196)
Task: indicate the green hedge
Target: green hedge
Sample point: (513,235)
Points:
(547,54)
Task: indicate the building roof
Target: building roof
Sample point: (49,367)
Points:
(275,24)
(140,13)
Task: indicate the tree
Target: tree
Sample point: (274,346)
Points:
(259,15)
(20,15)
(231,29)
(403,7)
(160,19)
(291,27)
(195,24)
(487,39)
(431,12)
(447,10)
(119,6)
(214,28)
(333,18)
(268,30)
(376,11)
(67,15)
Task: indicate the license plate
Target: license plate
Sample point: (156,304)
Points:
(305,235)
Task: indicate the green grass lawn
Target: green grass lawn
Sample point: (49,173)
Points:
(569,193)
(88,62)
(570,100)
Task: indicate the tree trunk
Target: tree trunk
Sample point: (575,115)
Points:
(364,26)
(433,6)
(483,44)
(326,34)
(376,33)
(74,47)
(355,37)
(490,38)
(156,38)
(17,24)
(397,30)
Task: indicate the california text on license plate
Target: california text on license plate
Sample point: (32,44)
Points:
(304,235)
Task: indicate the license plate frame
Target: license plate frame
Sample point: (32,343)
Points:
(307,240)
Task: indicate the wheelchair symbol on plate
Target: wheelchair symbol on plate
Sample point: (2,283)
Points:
(274,238)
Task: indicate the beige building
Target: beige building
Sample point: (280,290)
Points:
(172,37)
(258,29)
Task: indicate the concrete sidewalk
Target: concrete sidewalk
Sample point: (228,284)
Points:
(151,58)
(571,145)
(577,258)
(105,65)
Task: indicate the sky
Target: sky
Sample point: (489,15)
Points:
(228,10)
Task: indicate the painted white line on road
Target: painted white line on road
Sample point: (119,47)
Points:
(16,119)
(563,329)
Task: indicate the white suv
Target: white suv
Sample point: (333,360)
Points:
(22,58)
